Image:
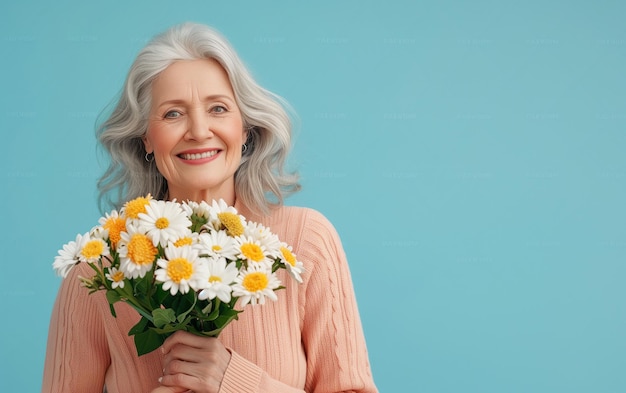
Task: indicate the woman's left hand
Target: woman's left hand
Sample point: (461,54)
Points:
(194,363)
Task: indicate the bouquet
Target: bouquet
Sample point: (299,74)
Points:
(181,266)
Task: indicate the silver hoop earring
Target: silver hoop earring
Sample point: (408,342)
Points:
(149,158)
(244,148)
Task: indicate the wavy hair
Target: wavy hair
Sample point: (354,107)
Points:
(260,181)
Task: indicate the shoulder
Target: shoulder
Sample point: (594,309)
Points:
(309,231)
(306,219)
(306,213)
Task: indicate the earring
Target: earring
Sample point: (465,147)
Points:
(244,148)
(149,158)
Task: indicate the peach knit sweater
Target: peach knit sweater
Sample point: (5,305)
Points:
(310,340)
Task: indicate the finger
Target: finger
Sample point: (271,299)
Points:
(182,337)
(169,389)
(195,349)
(206,367)
(180,383)
(213,355)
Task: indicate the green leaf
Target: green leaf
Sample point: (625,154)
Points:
(206,310)
(162,317)
(205,332)
(160,296)
(113,297)
(182,325)
(166,330)
(190,301)
(112,310)
(143,312)
(216,311)
(148,341)
(226,318)
(197,222)
(140,327)
(141,288)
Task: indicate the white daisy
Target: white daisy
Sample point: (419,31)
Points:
(201,209)
(68,256)
(198,213)
(137,252)
(116,277)
(163,221)
(114,224)
(92,249)
(188,239)
(252,251)
(220,206)
(217,244)
(181,270)
(99,232)
(188,207)
(265,237)
(222,216)
(221,275)
(294,267)
(133,208)
(254,284)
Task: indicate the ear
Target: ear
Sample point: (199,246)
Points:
(146,144)
(246,133)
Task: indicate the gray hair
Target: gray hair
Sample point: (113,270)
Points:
(260,181)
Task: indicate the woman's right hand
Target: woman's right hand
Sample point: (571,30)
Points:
(193,362)
(166,389)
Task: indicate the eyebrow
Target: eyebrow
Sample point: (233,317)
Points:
(214,97)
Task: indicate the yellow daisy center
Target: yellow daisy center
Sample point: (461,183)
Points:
(215,279)
(136,206)
(232,222)
(183,241)
(179,269)
(288,255)
(141,250)
(115,225)
(162,223)
(252,252)
(254,282)
(216,248)
(118,276)
(93,249)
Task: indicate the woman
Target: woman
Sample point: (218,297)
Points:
(191,124)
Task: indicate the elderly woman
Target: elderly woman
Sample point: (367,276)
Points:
(192,124)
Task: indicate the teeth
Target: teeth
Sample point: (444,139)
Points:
(198,156)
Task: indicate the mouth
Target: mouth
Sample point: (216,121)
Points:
(198,156)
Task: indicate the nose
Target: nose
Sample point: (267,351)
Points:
(198,125)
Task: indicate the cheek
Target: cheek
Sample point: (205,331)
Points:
(238,134)
(160,139)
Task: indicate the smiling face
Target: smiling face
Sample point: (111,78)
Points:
(195,131)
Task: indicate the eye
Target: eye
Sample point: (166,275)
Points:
(173,114)
(219,109)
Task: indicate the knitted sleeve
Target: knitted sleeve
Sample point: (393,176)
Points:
(337,359)
(77,354)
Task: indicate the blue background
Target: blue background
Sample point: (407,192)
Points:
(470,154)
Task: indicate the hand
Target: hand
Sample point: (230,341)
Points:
(193,363)
(165,389)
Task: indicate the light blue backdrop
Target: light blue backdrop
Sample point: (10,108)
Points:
(470,154)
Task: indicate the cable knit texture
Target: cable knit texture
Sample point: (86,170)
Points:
(310,340)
